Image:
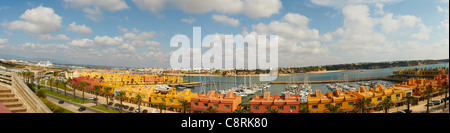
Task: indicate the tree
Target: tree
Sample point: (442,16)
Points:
(304,109)
(96,89)
(83,86)
(212,110)
(274,110)
(139,99)
(445,90)
(428,93)
(65,88)
(409,100)
(161,106)
(334,109)
(121,95)
(361,105)
(51,80)
(386,104)
(107,92)
(75,87)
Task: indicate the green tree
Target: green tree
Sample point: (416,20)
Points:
(212,110)
(83,86)
(139,99)
(107,92)
(334,109)
(121,95)
(361,105)
(161,106)
(428,93)
(50,81)
(96,89)
(409,100)
(274,110)
(445,90)
(185,105)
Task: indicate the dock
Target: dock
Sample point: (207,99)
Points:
(388,78)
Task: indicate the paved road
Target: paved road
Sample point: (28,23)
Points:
(421,108)
(72,106)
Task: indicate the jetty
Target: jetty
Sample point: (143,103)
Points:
(387,78)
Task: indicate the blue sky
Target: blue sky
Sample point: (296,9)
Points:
(318,32)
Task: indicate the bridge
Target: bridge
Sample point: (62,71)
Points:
(17,97)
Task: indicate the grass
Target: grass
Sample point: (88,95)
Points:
(70,98)
(102,108)
(55,108)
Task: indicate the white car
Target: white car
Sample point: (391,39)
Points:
(92,98)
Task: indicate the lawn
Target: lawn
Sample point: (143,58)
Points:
(102,108)
(70,98)
(55,108)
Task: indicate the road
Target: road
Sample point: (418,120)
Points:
(421,108)
(71,105)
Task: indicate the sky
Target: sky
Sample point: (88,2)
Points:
(137,33)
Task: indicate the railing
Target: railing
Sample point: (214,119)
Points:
(25,95)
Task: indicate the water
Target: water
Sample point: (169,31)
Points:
(228,82)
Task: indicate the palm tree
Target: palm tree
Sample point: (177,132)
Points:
(185,105)
(334,109)
(409,100)
(445,90)
(121,96)
(212,110)
(107,92)
(428,93)
(362,105)
(83,86)
(96,89)
(75,87)
(139,99)
(65,88)
(239,110)
(274,110)
(51,80)
(386,104)
(161,106)
(57,85)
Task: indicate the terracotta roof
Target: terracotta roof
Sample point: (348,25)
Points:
(3,109)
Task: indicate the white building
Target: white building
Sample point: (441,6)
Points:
(45,64)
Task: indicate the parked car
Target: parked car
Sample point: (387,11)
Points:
(407,111)
(436,102)
(126,107)
(61,102)
(145,111)
(400,112)
(116,105)
(82,109)
(430,104)
(110,103)
(131,109)
(92,98)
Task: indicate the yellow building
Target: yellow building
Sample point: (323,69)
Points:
(172,97)
(378,94)
(319,102)
(144,90)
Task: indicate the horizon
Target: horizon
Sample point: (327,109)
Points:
(137,33)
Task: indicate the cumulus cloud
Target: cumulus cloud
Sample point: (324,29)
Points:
(344,3)
(48,37)
(79,28)
(93,8)
(108,41)
(189,21)
(82,43)
(251,8)
(40,20)
(390,24)
(226,20)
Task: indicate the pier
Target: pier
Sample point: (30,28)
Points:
(388,78)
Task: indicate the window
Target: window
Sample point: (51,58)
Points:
(205,105)
(339,104)
(216,105)
(227,106)
(315,107)
(171,101)
(163,100)
(196,104)
(398,96)
(179,102)
(256,108)
(155,98)
(268,108)
(351,103)
(327,105)
(280,108)
(293,108)
(380,99)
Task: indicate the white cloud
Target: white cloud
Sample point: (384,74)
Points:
(344,3)
(127,48)
(251,8)
(226,20)
(423,34)
(48,37)
(40,20)
(189,21)
(109,5)
(3,43)
(390,24)
(79,28)
(108,41)
(82,43)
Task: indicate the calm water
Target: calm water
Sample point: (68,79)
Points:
(228,82)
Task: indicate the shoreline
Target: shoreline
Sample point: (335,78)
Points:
(253,75)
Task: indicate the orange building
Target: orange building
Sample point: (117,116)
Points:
(419,86)
(222,103)
(284,104)
(319,102)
